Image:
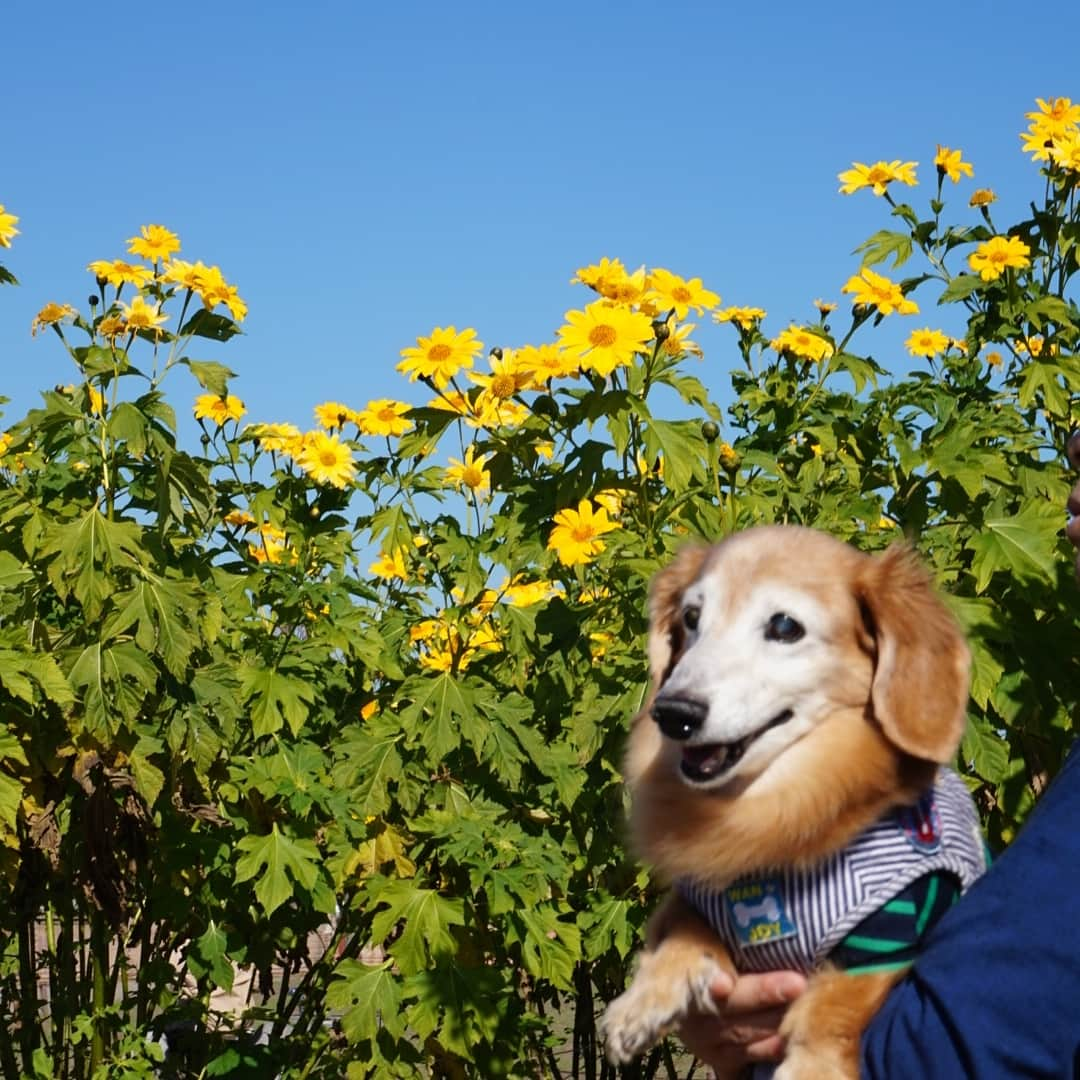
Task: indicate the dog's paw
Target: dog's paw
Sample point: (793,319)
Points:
(653,1007)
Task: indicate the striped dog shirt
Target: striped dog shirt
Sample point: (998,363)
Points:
(871,902)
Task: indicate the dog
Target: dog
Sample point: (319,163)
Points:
(786,776)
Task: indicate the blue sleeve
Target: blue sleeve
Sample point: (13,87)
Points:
(996,993)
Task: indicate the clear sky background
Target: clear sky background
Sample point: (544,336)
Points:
(365,172)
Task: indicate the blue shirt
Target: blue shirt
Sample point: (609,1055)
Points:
(996,992)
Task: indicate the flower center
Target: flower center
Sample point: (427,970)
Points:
(473,476)
(437,354)
(503,386)
(877,176)
(582,533)
(602,336)
(328,458)
(681,294)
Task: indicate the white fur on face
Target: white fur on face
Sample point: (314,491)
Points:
(748,681)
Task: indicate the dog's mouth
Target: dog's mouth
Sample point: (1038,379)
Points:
(707,761)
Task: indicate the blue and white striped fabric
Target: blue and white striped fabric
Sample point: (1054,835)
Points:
(791,919)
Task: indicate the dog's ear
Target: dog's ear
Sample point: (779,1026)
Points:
(923,667)
(667,636)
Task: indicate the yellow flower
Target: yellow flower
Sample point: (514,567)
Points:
(111,326)
(390,565)
(213,289)
(603,336)
(668,291)
(508,376)
(120,273)
(5,440)
(1065,151)
(824,306)
(369,710)
(524,594)
(884,522)
(275,437)
(802,342)
(219,409)
(51,314)
(544,448)
(982,197)
(238,519)
(632,289)
(154,242)
(545,362)
(603,277)
(327,460)
(139,315)
(96,400)
(949,164)
(271,546)
(470,472)
(189,275)
(678,342)
(332,414)
(744,317)
(499,412)
(576,536)
(993,358)
(990,259)
(1055,119)
(1036,345)
(441,356)
(456,401)
(610,500)
(876,290)
(730,459)
(7,227)
(599,640)
(877,176)
(927,343)
(384,417)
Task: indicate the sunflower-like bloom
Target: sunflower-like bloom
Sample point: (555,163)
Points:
(508,377)
(746,318)
(949,163)
(7,227)
(927,342)
(991,259)
(139,315)
(332,414)
(153,242)
(327,460)
(441,356)
(469,473)
(219,409)
(576,536)
(982,197)
(50,315)
(803,342)
(877,176)
(604,336)
(876,290)
(1055,119)
(671,291)
(384,417)
(117,272)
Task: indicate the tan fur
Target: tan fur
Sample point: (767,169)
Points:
(897,695)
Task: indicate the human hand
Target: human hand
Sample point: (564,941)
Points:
(750,1010)
(1072,530)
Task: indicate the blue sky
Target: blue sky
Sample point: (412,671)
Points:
(366,172)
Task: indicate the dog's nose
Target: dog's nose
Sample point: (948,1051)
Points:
(679,717)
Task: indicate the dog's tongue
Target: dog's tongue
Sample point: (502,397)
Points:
(706,760)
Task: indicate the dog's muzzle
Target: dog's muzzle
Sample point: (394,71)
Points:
(679,717)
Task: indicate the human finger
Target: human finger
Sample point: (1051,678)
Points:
(752,993)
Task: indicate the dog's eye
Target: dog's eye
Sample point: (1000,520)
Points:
(691,616)
(782,627)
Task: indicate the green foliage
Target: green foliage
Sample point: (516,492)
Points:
(340,821)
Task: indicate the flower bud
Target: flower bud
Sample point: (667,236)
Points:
(710,431)
(496,353)
(92,300)
(730,458)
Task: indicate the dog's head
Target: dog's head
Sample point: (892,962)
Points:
(761,640)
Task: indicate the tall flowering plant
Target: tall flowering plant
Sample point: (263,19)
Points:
(310,739)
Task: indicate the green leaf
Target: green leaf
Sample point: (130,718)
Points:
(127,424)
(149,779)
(441,705)
(550,947)
(12,572)
(278,858)
(208,325)
(883,244)
(208,955)
(1024,545)
(680,443)
(116,682)
(987,754)
(275,698)
(211,375)
(367,997)
(606,925)
(427,918)
(960,288)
